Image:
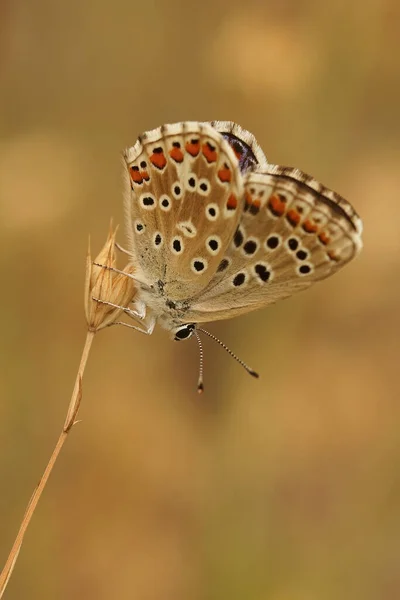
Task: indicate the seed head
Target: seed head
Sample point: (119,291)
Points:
(105,284)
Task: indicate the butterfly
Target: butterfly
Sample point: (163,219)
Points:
(215,231)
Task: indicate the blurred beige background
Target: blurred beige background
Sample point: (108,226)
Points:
(286,488)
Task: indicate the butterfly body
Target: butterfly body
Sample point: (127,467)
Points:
(216,231)
(168,313)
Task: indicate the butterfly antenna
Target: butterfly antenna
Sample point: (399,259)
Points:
(200,385)
(246,367)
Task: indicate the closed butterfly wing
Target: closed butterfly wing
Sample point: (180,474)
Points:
(183,204)
(292,233)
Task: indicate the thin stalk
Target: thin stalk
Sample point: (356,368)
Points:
(70,420)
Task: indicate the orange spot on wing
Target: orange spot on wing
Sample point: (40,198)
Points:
(145,175)
(193,148)
(135,175)
(176,154)
(158,160)
(276,205)
(257,202)
(225,175)
(333,256)
(310,227)
(324,238)
(232,202)
(209,153)
(248,198)
(293,217)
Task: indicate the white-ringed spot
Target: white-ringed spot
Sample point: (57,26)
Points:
(273,241)
(212,211)
(165,202)
(191,182)
(262,272)
(187,228)
(293,243)
(177,245)
(139,227)
(176,190)
(250,247)
(239,279)
(199,265)
(305,269)
(147,201)
(203,187)
(213,244)
(301,254)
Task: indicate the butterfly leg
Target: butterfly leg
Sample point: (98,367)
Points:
(147,329)
(138,314)
(115,270)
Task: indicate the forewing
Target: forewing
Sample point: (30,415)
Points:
(293,232)
(182,205)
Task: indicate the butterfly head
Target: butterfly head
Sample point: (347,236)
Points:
(183,332)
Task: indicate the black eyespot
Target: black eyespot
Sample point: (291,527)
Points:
(304,269)
(139,227)
(177,190)
(250,247)
(293,244)
(198,265)
(177,246)
(158,150)
(135,168)
(204,188)
(192,182)
(224,264)
(213,244)
(239,279)
(301,255)
(148,201)
(273,242)
(158,239)
(262,272)
(165,202)
(212,212)
(238,238)
(143,164)
(176,144)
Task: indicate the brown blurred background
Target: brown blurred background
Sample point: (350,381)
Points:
(286,488)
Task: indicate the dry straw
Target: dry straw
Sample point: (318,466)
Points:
(109,286)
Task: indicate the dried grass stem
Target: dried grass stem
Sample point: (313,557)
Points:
(70,420)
